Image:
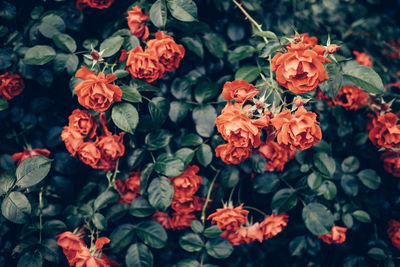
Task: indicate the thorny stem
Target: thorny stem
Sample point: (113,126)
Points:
(255,209)
(203,212)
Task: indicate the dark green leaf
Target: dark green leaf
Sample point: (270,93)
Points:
(3,104)
(31,259)
(349,184)
(181,88)
(160,193)
(169,165)
(144,177)
(158,13)
(298,245)
(191,242)
(219,248)
(377,254)
(131,94)
(204,155)
(65,42)
(68,62)
(7,10)
(152,234)
(258,163)
(125,116)
(157,139)
(350,164)
(283,200)
(197,226)
(317,218)
(16,207)
(266,183)
(183,10)
(215,44)
(100,221)
(361,216)
(39,55)
(205,91)
(369,178)
(111,46)
(158,108)
(7,180)
(314,180)
(325,164)
(185,154)
(121,237)
(204,117)
(51,25)
(54,227)
(332,86)
(193,45)
(178,111)
(229,176)
(32,171)
(364,77)
(105,198)
(140,207)
(138,255)
(241,52)
(212,232)
(267,34)
(191,140)
(247,73)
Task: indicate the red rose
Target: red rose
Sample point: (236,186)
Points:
(144,65)
(273,225)
(363,59)
(229,218)
(29,153)
(385,131)
(186,184)
(351,97)
(136,25)
(98,4)
(231,154)
(129,188)
(336,236)
(11,85)
(181,221)
(82,122)
(393,232)
(163,219)
(168,52)
(72,140)
(275,155)
(391,163)
(89,154)
(239,91)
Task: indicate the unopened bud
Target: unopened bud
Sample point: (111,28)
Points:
(332,48)
(298,101)
(95,55)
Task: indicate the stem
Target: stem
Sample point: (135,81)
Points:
(40,214)
(255,209)
(258,26)
(203,212)
(231,194)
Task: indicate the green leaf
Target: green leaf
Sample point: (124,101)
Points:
(266,183)
(191,242)
(65,42)
(158,108)
(268,49)
(68,62)
(377,254)
(247,73)
(188,263)
(140,207)
(131,42)
(32,171)
(125,117)
(350,164)
(191,140)
(215,44)
(364,77)
(53,227)
(158,14)
(193,45)
(240,53)
(121,74)
(100,221)
(39,55)
(185,154)
(349,184)
(111,46)
(267,34)
(16,208)
(51,25)
(348,220)
(204,117)
(31,259)
(152,234)
(131,94)
(3,104)
(212,232)
(157,139)
(297,246)
(197,226)
(229,176)
(204,155)
(183,10)
(144,177)
(89,43)
(7,10)
(219,248)
(160,193)
(258,163)
(317,218)
(121,237)
(361,216)
(7,180)
(283,200)
(138,255)
(369,178)
(169,165)
(178,111)
(314,180)
(328,190)
(105,198)
(331,87)
(181,88)
(205,91)
(325,164)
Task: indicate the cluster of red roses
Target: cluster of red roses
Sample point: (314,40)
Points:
(97,4)
(184,202)
(129,188)
(11,85)
(99,153)
(79,255)
(238,230)
(161,55)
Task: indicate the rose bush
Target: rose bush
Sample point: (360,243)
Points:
(199,133)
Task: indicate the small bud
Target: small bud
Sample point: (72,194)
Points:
(95,55)
(332,48)
(297,39)
(259,105)
(298,101)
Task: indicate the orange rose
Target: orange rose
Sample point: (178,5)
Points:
(236,127)
(96,92)
(29,153)
(11,85)
(363,59)
(136,20)
(181,221)
(300,131)
(239,90)
(168,52)
(275,155)
(72,246)
(89,154)
(311,40)
(394,232)
(111,148)
(231,154)
(273,225)
(336,236)
(391,163)
(82,122)
(233,237)
(123,56)
(229,218)
(300,69)
(98,4)
(72,140)
(129,188)
(332,48)
(251,233)
(186,184)
(351,97)
(163,219)
(144,65)
(186,205)
(385,131)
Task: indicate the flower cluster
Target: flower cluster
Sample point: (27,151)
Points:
(129,188)
(79,255)
(97,4)
(238,230)
(29,153)
(80,138)
(11,85)
(336,236)
(184,202)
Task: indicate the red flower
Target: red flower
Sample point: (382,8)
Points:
(144,65)
(273,225)
(82,122)
(181,221)
(336,236)
(229,218)
(231,154)
(363,59)
(391,163)
(385,131)
(129,188)
(136,25)
(98,4)
(72,140)
(275,155)
(29,153)
(393,232)
(11,85)
(186,184)
(351,97)
(163,219)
